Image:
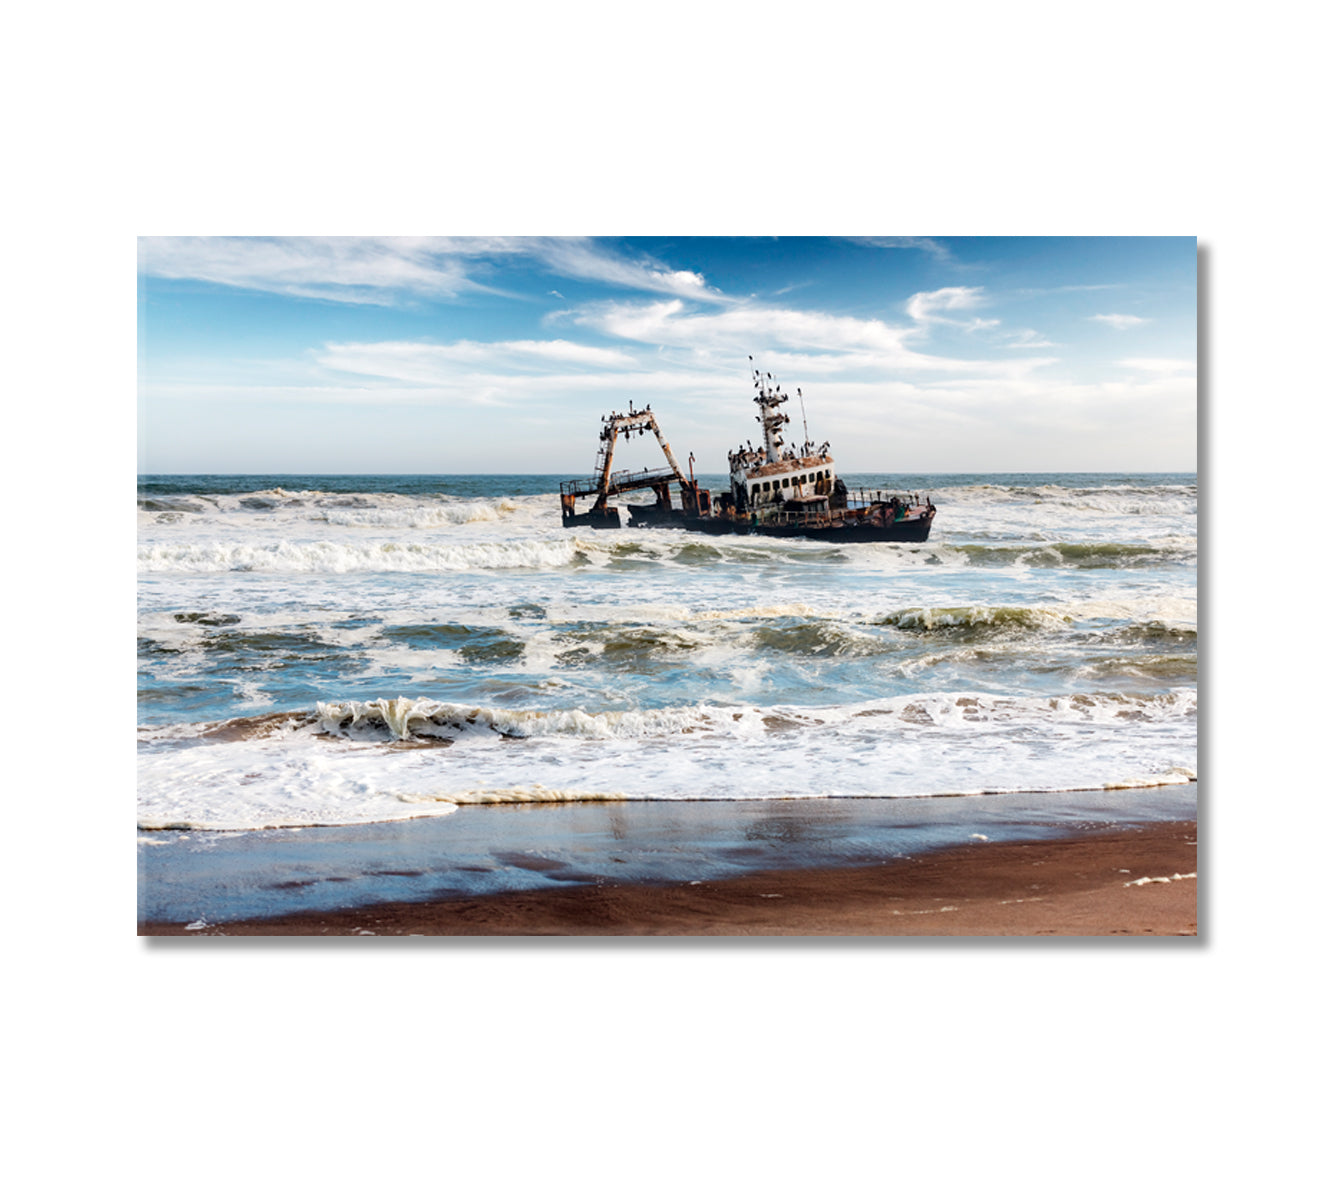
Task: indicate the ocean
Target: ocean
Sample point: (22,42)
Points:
(325,658)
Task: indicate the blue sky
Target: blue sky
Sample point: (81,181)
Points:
(448,355)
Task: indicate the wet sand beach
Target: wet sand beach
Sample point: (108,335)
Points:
(1119,882)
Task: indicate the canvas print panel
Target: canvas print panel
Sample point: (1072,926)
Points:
(667,585)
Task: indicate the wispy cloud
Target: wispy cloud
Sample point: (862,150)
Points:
(1119,320)
(1057,289)
(939,422)
(813,341)
(1027,339)
(584,258)
(937,249)
(1160,366)
(429,363)
(390,270)
(928,308)
(745,328)
(348,270)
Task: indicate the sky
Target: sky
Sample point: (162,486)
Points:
(501,354)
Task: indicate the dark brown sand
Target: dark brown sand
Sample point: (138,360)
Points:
(1086,885)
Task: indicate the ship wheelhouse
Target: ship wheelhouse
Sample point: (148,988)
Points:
(779,483)
(771,476)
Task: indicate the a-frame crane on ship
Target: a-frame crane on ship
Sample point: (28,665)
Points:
(605,483)
(774,490)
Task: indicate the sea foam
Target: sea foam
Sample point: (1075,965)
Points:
(338,558)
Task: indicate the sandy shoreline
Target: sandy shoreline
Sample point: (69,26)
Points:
(1127,882)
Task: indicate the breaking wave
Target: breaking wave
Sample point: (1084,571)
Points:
(1081,555)
(1151,667)
(345,557)
(975,619)
(1167,499)
(405,719)
(421,516)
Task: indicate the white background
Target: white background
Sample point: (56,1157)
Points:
(662,1068)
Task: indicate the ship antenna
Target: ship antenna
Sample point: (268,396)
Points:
(806,433)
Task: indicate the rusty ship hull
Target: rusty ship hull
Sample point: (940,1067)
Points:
(773,490)
(909,529)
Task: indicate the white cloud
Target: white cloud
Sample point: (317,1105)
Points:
(930,245)
(1119,320)
(429,363)
(351,270)
(1027,339)
(1160,366)
(927,306)
(387,270)
(791,340)
(945,423)
(583,258)
(747,329)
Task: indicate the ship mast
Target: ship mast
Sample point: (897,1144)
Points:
(771,419)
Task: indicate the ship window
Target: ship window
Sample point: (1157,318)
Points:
(755,489)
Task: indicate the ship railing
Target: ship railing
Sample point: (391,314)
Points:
(866,497)
(620,481)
